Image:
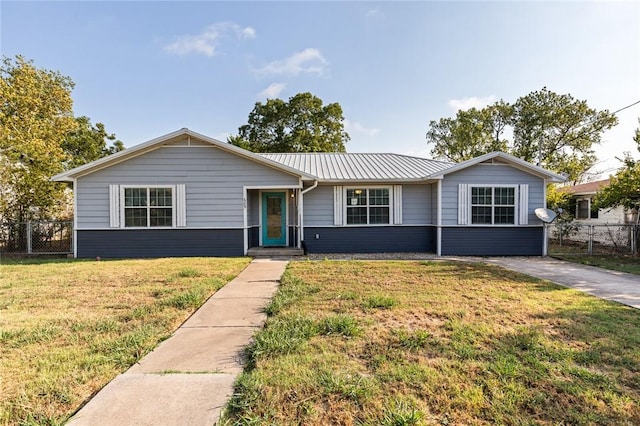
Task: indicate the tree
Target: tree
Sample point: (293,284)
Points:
(88,143)
(302,124)
(485,127)
(554,131)
(624,188)
(35,117)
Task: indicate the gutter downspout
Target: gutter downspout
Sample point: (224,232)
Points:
(301,210)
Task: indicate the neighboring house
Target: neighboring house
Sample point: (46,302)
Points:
(584,212)
(185,194)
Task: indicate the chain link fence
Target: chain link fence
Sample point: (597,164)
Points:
(602,239)
(42,237)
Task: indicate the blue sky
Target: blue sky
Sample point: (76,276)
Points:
(148,68)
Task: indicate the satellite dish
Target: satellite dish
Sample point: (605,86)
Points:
(546,215)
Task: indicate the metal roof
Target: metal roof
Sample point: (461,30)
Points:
(364,167)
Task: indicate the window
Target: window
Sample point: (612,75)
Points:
(368,206)
(584,210)
(148,207)
(493,205)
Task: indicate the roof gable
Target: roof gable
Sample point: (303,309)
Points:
(170,139)
(501,157)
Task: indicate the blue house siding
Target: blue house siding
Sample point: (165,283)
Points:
(490,174)
(115,243)
(492,241)
(378,239)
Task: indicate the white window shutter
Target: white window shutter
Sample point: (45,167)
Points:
(397,204)
(338,205)
(181,205)
(463,204)
(523,204)
(114,206)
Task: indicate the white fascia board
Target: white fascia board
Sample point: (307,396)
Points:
(153,144)
(429,179)
(515,161)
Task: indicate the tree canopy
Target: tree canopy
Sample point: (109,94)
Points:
(554,131)
(39,137)
(88,142)
(35,116)
(624,187)
(303,124)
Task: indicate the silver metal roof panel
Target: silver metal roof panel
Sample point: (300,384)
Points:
(364,167)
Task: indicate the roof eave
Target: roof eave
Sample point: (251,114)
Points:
(153,144)
(547,175)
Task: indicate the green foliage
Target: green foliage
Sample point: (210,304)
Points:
(282,335)
(39,137)
(88,143)
(558,199)
(302,124)
(342,325)
(624,188)
(485,127)
(554,131)
(35,116)
(379,301)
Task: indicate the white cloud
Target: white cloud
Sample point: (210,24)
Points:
(208,40)
(356,127)
(273,91)
(472,102)
(309,60)
(374,13)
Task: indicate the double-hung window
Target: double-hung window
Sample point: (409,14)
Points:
(368,206)
(148,207)
(493,205)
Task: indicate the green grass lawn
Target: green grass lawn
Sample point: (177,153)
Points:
(408,343)
(68,327)
(623,263)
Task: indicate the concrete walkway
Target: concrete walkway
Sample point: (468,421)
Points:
(188,378)
(611,285)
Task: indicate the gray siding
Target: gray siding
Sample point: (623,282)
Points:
(492,241)
(318,206)
(378,239)
(492,174)
(416,205)
(120,243)
(253,207)
(214,179)
(434,203)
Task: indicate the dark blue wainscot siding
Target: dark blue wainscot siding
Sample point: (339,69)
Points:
(373,239)
(492,241)
(160,243)
(254,236)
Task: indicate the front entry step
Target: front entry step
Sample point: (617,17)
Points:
(274,252)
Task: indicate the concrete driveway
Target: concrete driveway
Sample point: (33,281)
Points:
(611,285)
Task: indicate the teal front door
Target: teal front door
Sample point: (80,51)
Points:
(274,219)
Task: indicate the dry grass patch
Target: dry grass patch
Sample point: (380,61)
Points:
(458,344)
(68,327)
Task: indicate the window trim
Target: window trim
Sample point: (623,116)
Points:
(590,210)
(390,204)
(516,204)
(148,187)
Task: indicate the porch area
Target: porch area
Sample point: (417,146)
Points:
(273,222)
(275,252)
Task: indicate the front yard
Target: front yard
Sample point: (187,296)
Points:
(68,327)
(402,343)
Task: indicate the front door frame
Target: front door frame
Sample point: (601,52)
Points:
(283,242)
